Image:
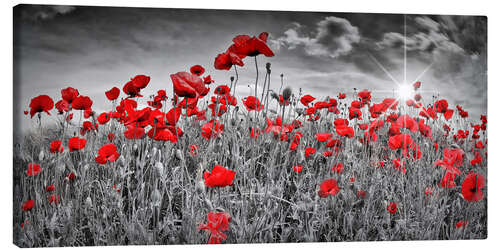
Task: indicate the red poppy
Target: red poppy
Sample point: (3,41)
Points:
(103,118)
(298,168)
(53,198)
(428,191)
(41,103)
(342,95)
(392,207)
(226,60)
(309,151)
(188,85)
(406,121)
(363,126)
(76,143)
(461,224)
(410,102)
(417,85)
(365,96)
(328,187)
(322,137)
(477,159)
(219,177)
(131,90)
(254,133)
(338,168)
(399,165)
(361,194)
(137,117)
(211,129)
(193,149)
(111,136)
(448,114)
(162,134)
(107,153)
(399,141)
(355,113)
(88,126)
(134,132)
(50,188)
(62,106)
(173,116)
(56,146)
(327,153)
(424,129)
(82,103)
(305,100)
(71,176)
(28,205)
(140,81)
(244,45)
(113,93)
(207,80)
(69,94)
(217,223)
(33,169)
(222,90)
(451,157)
(472,187)
(441,106)
(479,145)
(197,70)
(283,102)
(345,131)
(252,103)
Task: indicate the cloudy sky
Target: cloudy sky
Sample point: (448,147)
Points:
(96,48)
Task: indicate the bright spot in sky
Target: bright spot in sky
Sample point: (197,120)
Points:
(405,91)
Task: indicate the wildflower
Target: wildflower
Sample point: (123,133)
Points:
(219,177)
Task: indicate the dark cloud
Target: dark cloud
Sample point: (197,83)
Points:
(42,12)
(334,37)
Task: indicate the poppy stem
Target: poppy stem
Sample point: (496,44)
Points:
(256,81)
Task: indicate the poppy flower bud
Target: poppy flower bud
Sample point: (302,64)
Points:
(88,201)
(155,150)
(268,68)
(287,92)
(200,187)
(41,156)
(300,111)
(159,168)
(178,154)
(275,96)
(231,78)
(233,122)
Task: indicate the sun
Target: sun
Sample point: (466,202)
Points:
(405,91)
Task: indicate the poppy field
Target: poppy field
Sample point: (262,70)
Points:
(198,164)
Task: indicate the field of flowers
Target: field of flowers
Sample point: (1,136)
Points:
(201,165)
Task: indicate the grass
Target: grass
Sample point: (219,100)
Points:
(162,198)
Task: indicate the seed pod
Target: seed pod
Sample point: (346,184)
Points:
(287,92)
(41,156)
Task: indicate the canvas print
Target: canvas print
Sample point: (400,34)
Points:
(158,126)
